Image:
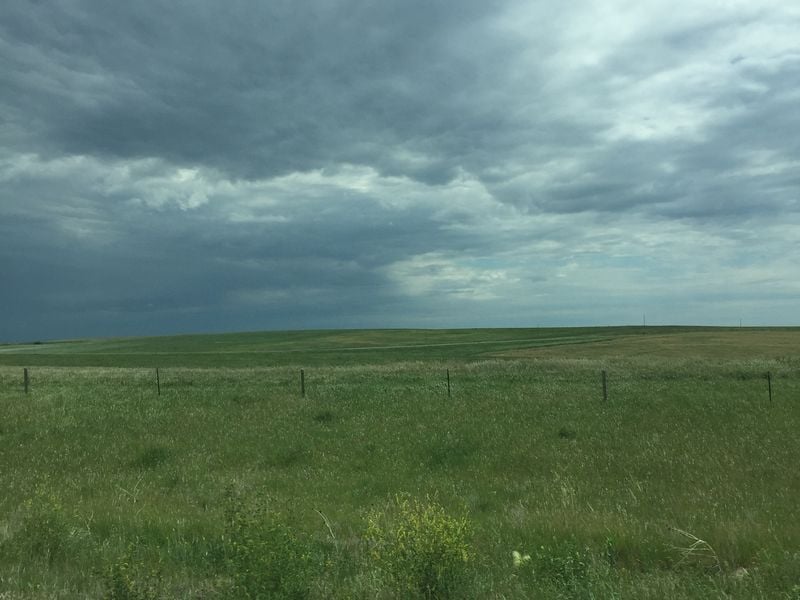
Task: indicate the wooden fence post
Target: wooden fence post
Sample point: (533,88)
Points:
(158,382)
(302,383)
(25,378)
(448,383)
(769,385)
(605,387)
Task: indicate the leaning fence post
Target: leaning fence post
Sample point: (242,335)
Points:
(448,383)
(605,387)
(302,383)
(25,378)
(158,382)
(769,385)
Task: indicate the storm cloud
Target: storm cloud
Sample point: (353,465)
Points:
(191,166)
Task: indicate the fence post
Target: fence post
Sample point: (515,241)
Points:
(302,383)
(605,387)
(25,378)
(158,382)
(448,383)
(769,385)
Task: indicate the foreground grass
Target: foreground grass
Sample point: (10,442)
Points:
(106,483)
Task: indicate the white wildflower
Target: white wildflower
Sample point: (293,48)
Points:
(520,559)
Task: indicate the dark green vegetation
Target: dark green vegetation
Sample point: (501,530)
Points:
(683,485)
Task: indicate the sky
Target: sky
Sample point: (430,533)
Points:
(175,167)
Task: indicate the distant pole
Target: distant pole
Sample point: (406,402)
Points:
(605,387)
(302,383)
(158,382)
(25,379)
(769,385)
(448,383)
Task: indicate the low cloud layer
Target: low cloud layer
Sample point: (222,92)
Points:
(170,167)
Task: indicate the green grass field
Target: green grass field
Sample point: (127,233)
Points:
(683,484)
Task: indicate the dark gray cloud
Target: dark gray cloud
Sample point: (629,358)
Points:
(170,166)
(253,89)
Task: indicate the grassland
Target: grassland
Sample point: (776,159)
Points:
(683,484)
(369,347)
(325,348)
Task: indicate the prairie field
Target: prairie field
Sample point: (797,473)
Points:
(523,463)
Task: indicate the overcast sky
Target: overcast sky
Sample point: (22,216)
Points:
(173,166)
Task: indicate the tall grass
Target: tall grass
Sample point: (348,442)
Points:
(105,483)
